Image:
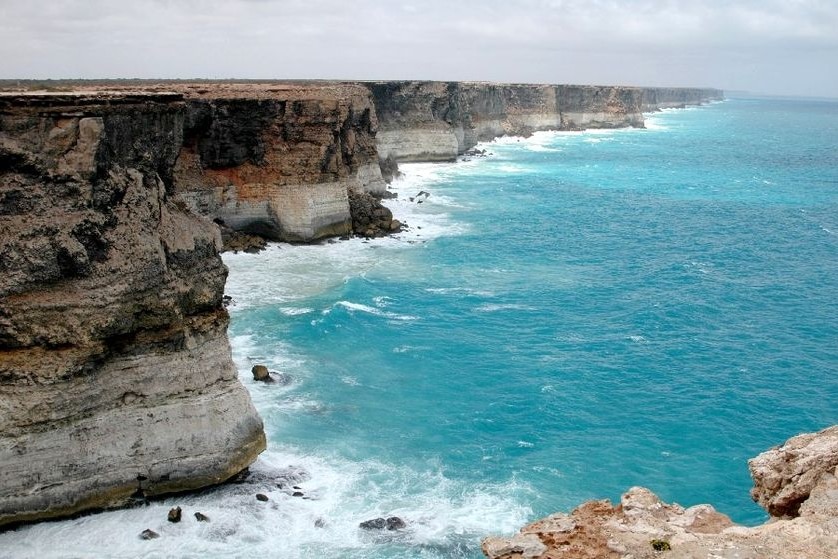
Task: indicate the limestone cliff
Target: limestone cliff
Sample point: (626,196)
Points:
(436,121)
(797,483)
(657,98)
(115,370)
(278,160)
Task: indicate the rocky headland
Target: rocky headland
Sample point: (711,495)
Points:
(797,483)
(116,378)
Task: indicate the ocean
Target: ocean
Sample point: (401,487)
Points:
(571,315)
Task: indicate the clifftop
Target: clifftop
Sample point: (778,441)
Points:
(796,482)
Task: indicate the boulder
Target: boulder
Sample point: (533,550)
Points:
(369,217)
(200,517)
(261,373)
(374,524)
(785,476)
(175,514)
(389,523)
(261,497)
(148,534)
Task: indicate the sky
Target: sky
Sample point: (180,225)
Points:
(784,47)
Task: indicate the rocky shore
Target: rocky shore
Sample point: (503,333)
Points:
(797,483)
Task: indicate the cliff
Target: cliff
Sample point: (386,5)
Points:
(115,370)
(282,159)
(278,160)
(116,378)
(436,121)
(797,483)
(657,98)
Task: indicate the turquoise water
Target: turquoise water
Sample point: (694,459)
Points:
(575,314)
(639,307)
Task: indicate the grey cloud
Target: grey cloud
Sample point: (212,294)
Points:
(776,46)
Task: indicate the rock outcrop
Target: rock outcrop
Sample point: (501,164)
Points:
(786,476)
(436,121)
(116,377)
(795,482)
(278,160)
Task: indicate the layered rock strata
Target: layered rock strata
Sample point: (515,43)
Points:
(436,121)
(657,98)
(116,378)
(797,483)
(278,161)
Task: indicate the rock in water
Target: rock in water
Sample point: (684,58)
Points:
(261,373)
(369,217)
(200,517)
(149,534)
(374,524)
(390,523)
(261,497)
(175,514)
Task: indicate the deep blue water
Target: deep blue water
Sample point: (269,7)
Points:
(579,313)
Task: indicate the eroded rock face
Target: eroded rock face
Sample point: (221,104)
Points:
(657,98)
(786,476)
(115,371)
(802,471)
(436,121)
(278,161)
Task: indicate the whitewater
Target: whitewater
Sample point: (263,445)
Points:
(571,315)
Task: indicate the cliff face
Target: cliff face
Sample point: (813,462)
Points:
(656,98)
(436,121)
(115,369)
(797,483)
(278,161)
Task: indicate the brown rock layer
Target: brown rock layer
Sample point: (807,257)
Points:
(278,161)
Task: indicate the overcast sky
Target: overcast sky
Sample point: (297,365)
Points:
(769,46)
